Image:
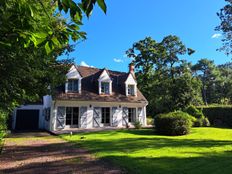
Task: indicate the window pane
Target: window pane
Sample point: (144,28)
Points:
(105,115)
(69,85)
(131,90)
(75,115)
(68,115)
(105,87)
(75,85)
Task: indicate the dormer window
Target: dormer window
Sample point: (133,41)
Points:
(73,85)
(105,83)
(73,82)
(131,90)
(105,88)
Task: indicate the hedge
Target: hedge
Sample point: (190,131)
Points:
(218,115)
(173,123)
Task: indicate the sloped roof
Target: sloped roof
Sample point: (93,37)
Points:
(89,87)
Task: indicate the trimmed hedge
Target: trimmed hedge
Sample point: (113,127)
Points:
(173,123)
(218,115)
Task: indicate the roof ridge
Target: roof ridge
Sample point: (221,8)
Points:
(100,69)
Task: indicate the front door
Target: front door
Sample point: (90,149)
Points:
(72,116)
(105,119)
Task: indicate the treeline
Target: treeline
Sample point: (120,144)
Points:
(170,82)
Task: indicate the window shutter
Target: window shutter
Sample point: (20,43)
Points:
(114,116)
(140,115)
(83,117)
(60,118)
(124,116)
(96,116)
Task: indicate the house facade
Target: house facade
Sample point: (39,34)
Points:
(95,98)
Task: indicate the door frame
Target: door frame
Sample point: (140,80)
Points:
(71,125)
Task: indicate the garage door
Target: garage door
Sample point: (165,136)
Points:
(27,119)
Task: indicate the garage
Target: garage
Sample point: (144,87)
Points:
(27,119)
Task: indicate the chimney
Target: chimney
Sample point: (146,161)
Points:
(132,68)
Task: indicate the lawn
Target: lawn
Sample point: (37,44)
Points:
(205,150)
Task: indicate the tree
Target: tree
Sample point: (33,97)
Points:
(209,74)
(225,16)
(165,80)
(225,88)
(32,36)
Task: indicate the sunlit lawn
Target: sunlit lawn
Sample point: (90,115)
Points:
(205,150)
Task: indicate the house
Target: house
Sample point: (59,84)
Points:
(94,98)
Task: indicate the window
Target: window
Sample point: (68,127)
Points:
(73,85)
(72,114)
(131,114)
(105,88)
(105,116)
(131,89)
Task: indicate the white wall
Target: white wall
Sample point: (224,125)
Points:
(90,110)
(30,107)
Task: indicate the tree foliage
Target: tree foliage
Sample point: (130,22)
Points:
(164,78)
(32,36)
(225,26)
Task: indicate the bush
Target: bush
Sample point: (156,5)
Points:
(173,123)
(3,118)
(218,115)
(137,125)
(150,121)
(193,111)
(206,122)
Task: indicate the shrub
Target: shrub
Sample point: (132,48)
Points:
(173,123)
(195,112)
(218,115)
(150,121)
(3,118)
(198,122)
(206,122)
(137,125)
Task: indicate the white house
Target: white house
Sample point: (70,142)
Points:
(94,98)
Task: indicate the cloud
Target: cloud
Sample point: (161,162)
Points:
(118,60)
(216,36)
(83,63)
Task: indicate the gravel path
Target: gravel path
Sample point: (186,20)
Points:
(40,152)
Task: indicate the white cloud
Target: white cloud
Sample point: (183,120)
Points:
(118,60)
(83,63)
(216,36)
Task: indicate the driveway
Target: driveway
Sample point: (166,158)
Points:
(40,152)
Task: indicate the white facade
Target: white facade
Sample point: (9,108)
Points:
(117,116)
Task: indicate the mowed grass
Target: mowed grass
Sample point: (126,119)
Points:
(205,150)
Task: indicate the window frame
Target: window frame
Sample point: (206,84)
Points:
(74,83)
(131,115)
(104,89)
(131,91)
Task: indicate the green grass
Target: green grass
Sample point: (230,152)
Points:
(205,150)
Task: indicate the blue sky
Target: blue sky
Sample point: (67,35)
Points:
(128,21)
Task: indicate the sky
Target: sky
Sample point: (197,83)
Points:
(128,21)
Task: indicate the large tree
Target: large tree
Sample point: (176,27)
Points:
(165,79)
(225,16)
(32,36)
(209,74)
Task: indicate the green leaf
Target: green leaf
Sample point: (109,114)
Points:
(47,48)
(74,27)
(102,5)
(55,41)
